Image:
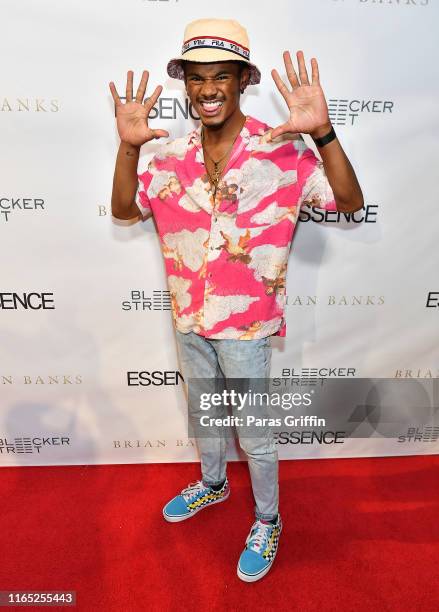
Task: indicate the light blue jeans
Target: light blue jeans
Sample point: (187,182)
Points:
(205,358)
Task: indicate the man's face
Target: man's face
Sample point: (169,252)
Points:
(214,89)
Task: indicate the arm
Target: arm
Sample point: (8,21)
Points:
(132,126)
(341,175)
(123,205)
(309,115)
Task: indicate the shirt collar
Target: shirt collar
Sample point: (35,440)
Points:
(251,127)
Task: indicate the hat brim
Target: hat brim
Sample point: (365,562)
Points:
(208,56)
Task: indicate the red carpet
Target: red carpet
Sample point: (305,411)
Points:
(358,534)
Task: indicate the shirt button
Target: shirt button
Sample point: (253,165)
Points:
(211,248)
(216,220)
(210,274)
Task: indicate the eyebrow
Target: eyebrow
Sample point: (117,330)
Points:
(192,73)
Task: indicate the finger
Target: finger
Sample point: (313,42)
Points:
(291,73)
(114,94)
(129,87)
(279,130)
(315,72)
(302,68)
(160,133)
(283,89)
(149,102)
(140,94)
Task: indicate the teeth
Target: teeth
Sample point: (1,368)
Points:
(211,105)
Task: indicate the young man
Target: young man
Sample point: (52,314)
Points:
(226,199)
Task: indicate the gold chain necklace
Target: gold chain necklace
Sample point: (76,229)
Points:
(215,179)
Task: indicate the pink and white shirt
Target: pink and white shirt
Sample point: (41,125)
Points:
(226,257)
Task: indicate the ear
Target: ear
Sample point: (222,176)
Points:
(244,78)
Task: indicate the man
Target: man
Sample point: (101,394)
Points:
(226,199)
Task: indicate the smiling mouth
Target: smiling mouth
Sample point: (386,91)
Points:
(211,107)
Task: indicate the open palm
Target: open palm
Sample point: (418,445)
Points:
(132,117)
(306,102)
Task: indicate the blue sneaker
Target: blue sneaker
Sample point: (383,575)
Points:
(260,550)
(193,499)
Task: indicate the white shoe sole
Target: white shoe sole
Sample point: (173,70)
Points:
(177,519)
(255,577)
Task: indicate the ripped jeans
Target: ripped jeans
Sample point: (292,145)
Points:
(205,358)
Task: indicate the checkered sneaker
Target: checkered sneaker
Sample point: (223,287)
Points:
(260,550)
(194,498)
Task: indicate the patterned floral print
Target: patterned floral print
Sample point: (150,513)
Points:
(226,257)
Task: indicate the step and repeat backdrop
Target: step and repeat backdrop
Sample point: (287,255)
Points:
(88,365)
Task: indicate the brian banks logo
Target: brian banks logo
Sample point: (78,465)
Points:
(156,378)
(366,214)
(25,301)
(50,379)
(335,300)
(432,299)
(403,3)
(139,300)
(26,445)
(11,205)
(417,373)
(28,105)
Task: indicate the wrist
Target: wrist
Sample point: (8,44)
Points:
(128,146)
(321,131)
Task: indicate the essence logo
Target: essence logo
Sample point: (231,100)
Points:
(310,437)
(25,301)
(138,300)
(29,105)
(170,108)
(343,111)
(432,299)
(367,214)
(158,378)
(9,205)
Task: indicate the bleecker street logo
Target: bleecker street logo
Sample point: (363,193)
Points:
(346,112)
(26,445)
(12,205)
(312,373)
(139,300)
(26,301)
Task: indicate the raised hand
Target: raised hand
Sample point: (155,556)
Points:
(132,117)
(306,102)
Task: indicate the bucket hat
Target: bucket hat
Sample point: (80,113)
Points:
(214,40)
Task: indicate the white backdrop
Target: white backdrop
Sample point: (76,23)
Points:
(362,294)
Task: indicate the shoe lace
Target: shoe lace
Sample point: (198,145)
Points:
(259,535)
(193,489)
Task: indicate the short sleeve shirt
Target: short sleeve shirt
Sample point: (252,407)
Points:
(226,256)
